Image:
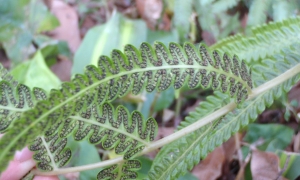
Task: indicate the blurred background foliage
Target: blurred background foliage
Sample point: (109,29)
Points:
(46,42)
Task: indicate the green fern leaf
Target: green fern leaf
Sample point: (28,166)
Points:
(179,156)
(135,70)
(123,171)
(127,134)
(265,40)
(50,152)
(15,98)
(175,159)
(182,155)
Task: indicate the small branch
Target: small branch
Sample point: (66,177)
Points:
(200,123)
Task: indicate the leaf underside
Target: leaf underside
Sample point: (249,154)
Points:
(81,107)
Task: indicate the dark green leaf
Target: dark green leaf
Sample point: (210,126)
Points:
(275,136)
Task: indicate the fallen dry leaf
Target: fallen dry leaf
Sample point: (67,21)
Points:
(3,59)
(150,11)
(272,115)
(164,131)
(211,167)
(230,146)
(265,166)
(167,115)
(296,146)
(72,176)
(295,93)
(68,30)
(208,38)
(48,3)
(62,69)
(88,23)
(126,7)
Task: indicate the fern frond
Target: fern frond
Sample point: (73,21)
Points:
(128,134)
(266,40)
(182,155)
(15,98)
(246,114)
(175,159)
(5,76)
(179,156)
(135,70)
(50,152)
(125,170)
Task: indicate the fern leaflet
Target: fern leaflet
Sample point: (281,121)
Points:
(50,152)
(256,47)
(127,171)
(15,98)
(194,145)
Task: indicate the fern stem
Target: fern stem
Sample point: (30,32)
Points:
(193,127)
(200,123)
(276,81)
(49,152)
(13,109)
